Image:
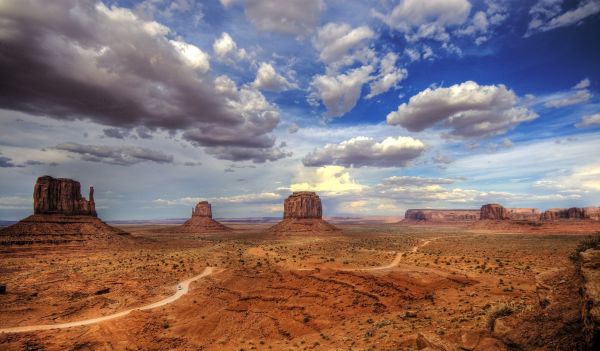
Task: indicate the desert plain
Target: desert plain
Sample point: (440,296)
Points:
(371,285)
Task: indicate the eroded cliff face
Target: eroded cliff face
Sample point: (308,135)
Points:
(303,204)
(61,216)
(498,212)
(592,213)
(61,196)
(302,213)
(493,212)
(202,209)
(458,215)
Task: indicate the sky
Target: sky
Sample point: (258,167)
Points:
(378,106)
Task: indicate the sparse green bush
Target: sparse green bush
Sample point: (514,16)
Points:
(500,310)
(592,242)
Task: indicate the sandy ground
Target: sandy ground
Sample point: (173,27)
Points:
(369,287)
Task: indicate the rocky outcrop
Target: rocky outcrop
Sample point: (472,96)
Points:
(493,212)
(302,204)
(202,221)
(61,216)
(524,214)
(202,209)
(302,213)
(61,196)
(590,272)
(441,215)
(553,214)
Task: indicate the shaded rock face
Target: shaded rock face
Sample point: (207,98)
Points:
(302,205)
(442,215)
(61,216)
(553,214)
(202,209)
(493,212)
(61,196)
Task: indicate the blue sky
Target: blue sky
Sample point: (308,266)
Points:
(379,106)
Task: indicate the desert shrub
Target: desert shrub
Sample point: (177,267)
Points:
(592,242)
(498,311)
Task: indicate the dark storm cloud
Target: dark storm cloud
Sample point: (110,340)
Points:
(6,162)
(116,133)
(78,59)
(116,155)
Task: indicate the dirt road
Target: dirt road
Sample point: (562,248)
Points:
(180,290)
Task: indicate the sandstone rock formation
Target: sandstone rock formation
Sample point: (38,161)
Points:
(524,214)
(590,213)
(61,196)
(201,221)
(302,204)
(61,216)
(590,272)
(302,213)
(493,212)
(458,215)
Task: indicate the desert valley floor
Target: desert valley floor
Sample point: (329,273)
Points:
(371,286)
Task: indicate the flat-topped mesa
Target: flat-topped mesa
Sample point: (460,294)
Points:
(61,196)
(302,204)
(435,215)
(493,212)
(202,209)
(591,213)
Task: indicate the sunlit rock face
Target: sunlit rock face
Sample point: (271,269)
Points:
(303,213)
(303,204)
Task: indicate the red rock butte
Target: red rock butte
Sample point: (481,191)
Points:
(202,222)
(61,216)
(303,213)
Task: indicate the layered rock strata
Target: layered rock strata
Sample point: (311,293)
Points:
(202,221)
(591,213)
(303,213)
(493,212)
(61,196)
(61,216)
(458,215)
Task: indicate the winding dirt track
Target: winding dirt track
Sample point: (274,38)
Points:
(395,262)
(179,292)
